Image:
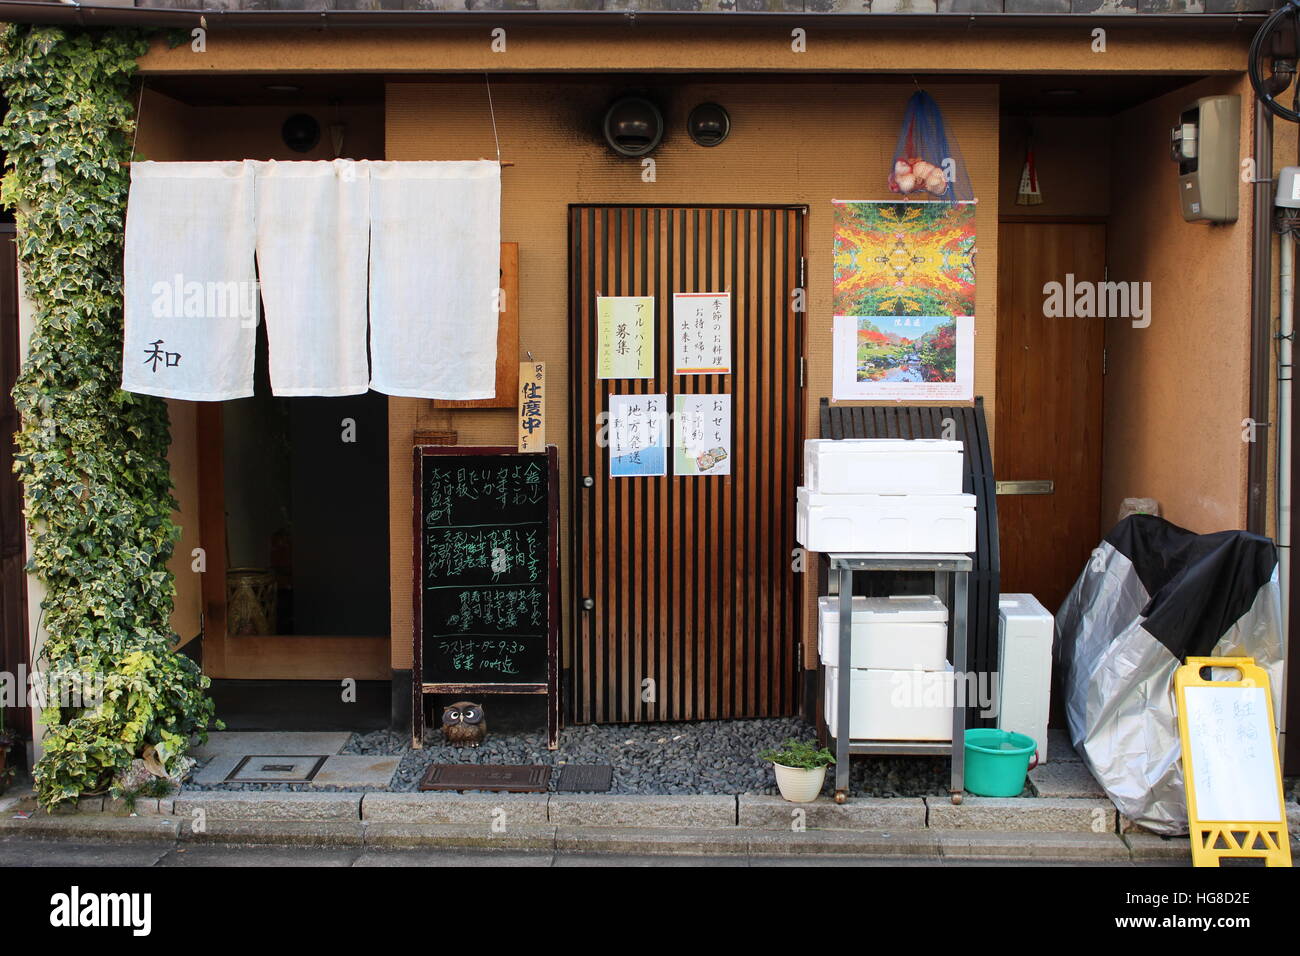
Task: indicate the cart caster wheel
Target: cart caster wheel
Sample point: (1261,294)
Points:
(840,796)
(956,799)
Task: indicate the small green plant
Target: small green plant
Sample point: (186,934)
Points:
(804,755)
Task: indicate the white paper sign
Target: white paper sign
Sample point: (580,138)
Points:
(702,435)
(1232,754)
(701,333)
(638,435)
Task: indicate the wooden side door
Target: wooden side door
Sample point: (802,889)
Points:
(686,604)
(1049,408)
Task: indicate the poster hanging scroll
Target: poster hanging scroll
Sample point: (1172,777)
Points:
(904,300)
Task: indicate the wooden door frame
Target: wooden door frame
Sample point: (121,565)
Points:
(14,643)
(272,656)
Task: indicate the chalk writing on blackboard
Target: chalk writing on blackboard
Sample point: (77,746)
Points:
(485,569)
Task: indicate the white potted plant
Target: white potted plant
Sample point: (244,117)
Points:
(800,769)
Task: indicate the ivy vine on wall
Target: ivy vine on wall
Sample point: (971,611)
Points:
(92,458)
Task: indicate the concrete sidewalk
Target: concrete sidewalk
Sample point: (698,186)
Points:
(913,829)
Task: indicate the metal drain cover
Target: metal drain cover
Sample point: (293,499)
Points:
(596,779)
(276,768)
(512,778)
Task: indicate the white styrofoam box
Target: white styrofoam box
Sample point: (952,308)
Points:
(894,705)
(908,632)
(904,523)
(882,466)
(1025,654)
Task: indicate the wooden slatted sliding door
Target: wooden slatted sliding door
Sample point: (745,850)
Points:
(687,607)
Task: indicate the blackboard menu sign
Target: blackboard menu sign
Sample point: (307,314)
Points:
(487,573)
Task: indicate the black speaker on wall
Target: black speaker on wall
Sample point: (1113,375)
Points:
(300,133)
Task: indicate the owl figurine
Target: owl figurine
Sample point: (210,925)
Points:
(463,724)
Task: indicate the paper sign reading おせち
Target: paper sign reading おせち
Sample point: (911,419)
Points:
(625,336)
(637,439)
(702,435)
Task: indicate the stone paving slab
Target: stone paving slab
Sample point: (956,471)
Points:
(269,805)
(628,810)
(55,826)
(352,770)
(469,808)
(459,835)
(1035,815)
(225,855)
(1149,846)
(685,841)
(276,833)
(1059,747)
(217,769)
(981,844)
(1068,778)
(880,843)
(860,813)
(395,856)
(242,743)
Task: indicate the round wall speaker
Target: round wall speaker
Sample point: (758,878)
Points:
(300,133)
(633,126)
(708,124)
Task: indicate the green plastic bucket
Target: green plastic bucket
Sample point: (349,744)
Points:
(997,761)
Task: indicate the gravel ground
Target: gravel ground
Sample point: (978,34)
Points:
(704,757)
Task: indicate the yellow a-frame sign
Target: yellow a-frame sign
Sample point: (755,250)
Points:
(1231,771)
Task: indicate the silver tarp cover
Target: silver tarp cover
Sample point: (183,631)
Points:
(1118,683)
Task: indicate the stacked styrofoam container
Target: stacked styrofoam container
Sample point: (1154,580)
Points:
(901,682)
(887,495)
(884,494)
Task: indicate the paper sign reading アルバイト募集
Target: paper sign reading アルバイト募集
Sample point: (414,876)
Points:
(625,336)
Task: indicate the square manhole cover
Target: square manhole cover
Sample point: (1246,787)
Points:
(584,779)
(276,768)
(473,776)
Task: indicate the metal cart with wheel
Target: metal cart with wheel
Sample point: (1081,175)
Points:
(950,584)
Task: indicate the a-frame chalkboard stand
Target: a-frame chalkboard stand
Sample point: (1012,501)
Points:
(487,576)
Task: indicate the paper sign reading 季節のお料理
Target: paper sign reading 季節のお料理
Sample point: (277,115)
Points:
(532,406)
(701,333)
(702,435)
(637,427)
(625,336)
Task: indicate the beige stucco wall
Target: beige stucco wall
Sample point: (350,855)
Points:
(803,142)
(1176,392)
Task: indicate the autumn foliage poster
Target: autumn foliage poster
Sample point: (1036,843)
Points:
(904,292)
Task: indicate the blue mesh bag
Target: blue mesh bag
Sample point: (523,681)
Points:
(927,161)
